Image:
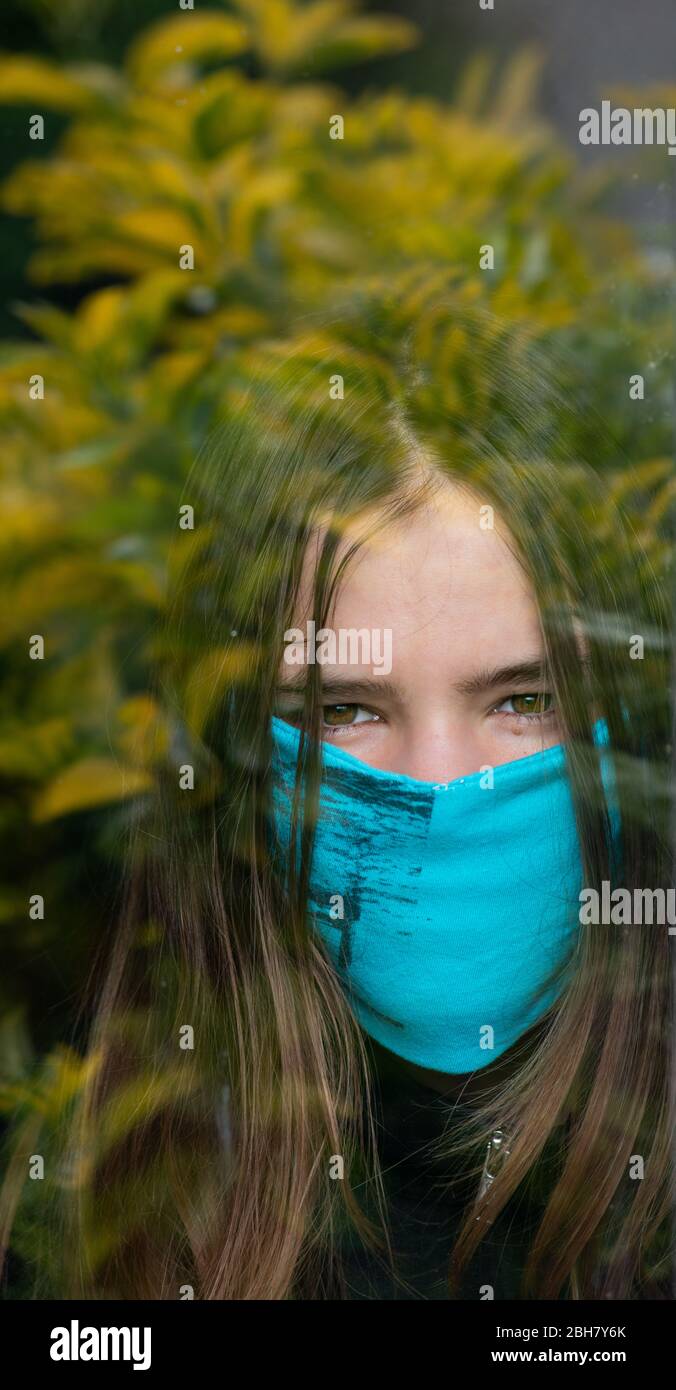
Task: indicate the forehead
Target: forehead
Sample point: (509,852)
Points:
(440,577)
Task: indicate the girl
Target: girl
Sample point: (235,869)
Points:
(356,1037)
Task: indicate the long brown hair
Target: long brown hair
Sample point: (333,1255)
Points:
(199,1161)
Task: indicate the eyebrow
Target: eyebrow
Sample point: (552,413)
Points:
(519,673)
(531,673)
(360,687)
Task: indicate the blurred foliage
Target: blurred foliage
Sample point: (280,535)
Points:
(215,133)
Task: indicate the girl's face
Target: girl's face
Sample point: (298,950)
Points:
(466,688)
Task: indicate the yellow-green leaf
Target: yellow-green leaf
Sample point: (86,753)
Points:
(188,38)
(25,80)
(144,731)
(98,318)
(353,41)
(88,783)
(211,677)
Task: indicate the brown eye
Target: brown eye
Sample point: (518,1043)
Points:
(531,704)
(335,715)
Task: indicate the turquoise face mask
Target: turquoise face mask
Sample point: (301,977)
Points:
(449,910)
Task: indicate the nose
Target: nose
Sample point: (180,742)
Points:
(439,753)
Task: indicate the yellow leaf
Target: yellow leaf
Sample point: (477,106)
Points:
(170,373)
(284,32)
(90,782)
(98,319)
(289,37)
(184,39)
(150,300)
(65,1073)
(25,80)
(139,1099)
(144,736)
(271,189)
(165,228)
(212,677)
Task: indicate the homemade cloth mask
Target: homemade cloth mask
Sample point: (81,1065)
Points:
(444,906)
